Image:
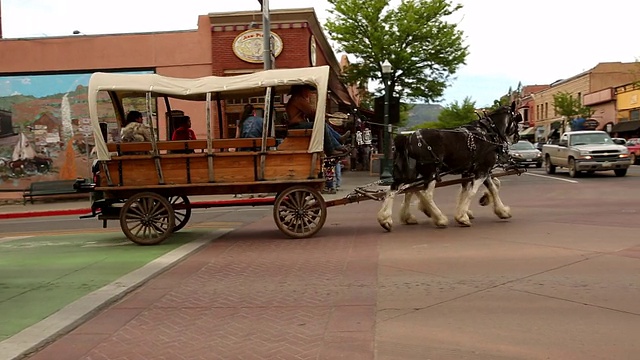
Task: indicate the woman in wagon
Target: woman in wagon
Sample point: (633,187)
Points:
(134,129)
(250,125)
(299,111)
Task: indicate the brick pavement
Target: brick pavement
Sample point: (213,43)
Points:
(250,295)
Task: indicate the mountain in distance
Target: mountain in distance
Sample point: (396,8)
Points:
(421,113)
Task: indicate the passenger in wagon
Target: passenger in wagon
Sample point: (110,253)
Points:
(250,124)
(183,129)
(134,129)
(299,112)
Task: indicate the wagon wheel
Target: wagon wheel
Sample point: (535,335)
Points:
(147,218)
(299,211)
(182,215)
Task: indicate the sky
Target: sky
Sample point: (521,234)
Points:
(533,43)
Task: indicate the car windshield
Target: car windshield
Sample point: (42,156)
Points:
(522,145)
(583,139)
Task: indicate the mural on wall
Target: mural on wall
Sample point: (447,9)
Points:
(45,132)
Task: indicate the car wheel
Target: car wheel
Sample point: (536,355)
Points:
(620,172)
(550,168)
(573,172)
(633,159)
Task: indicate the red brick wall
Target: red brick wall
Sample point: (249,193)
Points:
(295,49)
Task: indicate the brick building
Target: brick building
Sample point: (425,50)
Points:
(223,44)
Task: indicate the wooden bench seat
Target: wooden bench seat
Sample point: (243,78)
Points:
(201,145)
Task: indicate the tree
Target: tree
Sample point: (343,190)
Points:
(566,105)
(424,49)
(453,115)
(506,99)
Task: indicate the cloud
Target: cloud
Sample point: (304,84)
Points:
(16,93)
(25,81)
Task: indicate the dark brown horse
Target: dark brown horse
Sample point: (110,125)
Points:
(470,151)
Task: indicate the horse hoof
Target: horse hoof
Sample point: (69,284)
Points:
(442,223)
(463,221)
(386,226)
(484,200)
(504,213)
(411,220)
(470,214)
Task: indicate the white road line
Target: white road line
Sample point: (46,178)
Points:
(553,178)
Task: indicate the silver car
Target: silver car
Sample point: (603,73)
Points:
(523,153)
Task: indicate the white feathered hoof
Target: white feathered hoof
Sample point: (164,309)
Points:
(409,220)
(441,223)
(485,200)
(504,213)
(463,220)
(470,214)
(386,224)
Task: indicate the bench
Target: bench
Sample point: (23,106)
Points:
(47,188)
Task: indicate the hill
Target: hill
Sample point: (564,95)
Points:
(421,113)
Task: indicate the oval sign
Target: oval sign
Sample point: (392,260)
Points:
(248,46)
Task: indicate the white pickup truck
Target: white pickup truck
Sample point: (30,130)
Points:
(588,151)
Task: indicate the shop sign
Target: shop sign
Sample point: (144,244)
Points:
(248,46)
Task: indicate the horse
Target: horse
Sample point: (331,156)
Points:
(471,151)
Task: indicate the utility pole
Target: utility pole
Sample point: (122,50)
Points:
(266,33)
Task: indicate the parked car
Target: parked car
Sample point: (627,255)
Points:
(525,154)
(633,145)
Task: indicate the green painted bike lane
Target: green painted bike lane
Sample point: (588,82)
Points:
(42,274)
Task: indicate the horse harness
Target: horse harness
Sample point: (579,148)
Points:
(486,132)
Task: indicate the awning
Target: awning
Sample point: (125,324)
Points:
(527,131)
(626,126)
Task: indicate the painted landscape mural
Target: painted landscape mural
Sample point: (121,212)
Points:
(44,128)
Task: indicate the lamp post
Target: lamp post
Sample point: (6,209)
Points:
(385,166)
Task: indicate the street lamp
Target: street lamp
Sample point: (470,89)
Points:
(386,174)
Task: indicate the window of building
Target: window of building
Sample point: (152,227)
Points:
(546,110)
(634,114)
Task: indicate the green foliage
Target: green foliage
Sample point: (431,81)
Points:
(566,105)
(453,115)
(424,49)
(506,99)
(422,113)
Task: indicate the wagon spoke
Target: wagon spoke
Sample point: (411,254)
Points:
(136,209)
